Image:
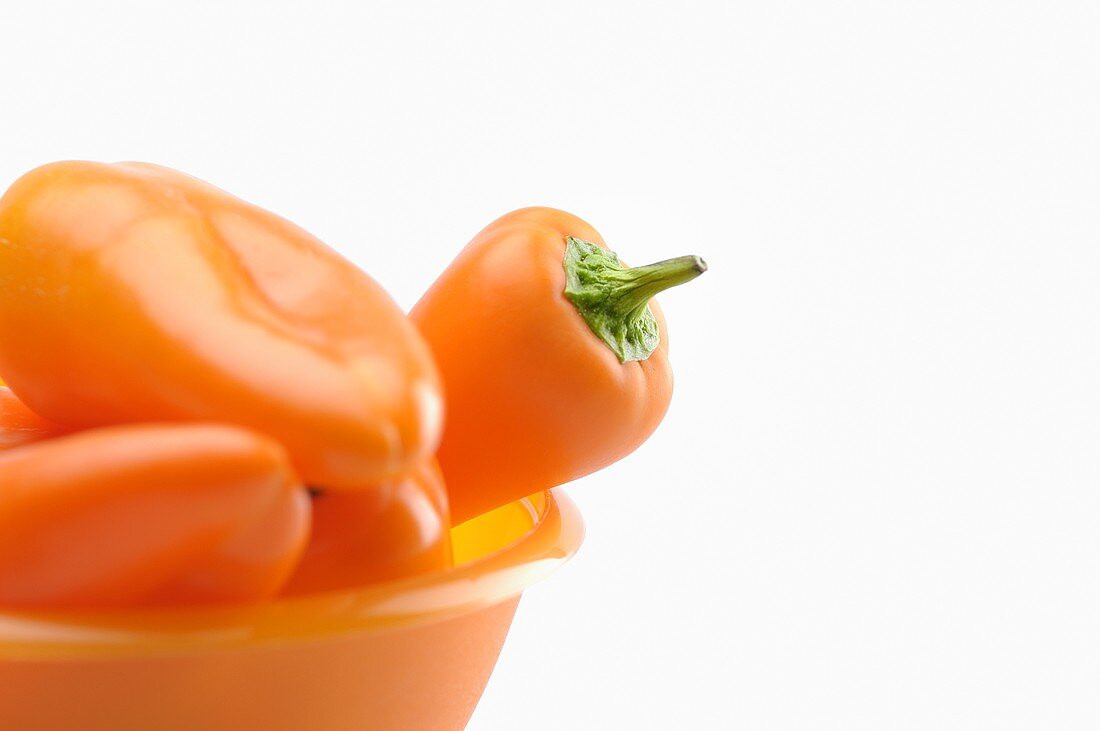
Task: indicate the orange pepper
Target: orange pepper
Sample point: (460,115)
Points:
(148,515)
(397,529)
(552,356)
(133,293)
(19,425)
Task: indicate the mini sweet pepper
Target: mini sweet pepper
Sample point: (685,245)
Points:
(133,293)
(554,359)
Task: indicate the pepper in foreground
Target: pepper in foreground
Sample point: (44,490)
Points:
(554,359)
(132,293)
(136,516)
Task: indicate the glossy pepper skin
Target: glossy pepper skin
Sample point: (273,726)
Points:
(535,398)
(138,516)
(397,529)
(200,307)
(20,426)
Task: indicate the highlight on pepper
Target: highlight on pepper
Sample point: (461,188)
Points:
(203,404)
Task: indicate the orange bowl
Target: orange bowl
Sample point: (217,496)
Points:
(411,654)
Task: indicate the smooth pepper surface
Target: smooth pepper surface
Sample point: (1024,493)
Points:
(150,515)
(535,397)
(391,530)
(133,293)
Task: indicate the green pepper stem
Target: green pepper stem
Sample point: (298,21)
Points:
(635,287)
(614,300)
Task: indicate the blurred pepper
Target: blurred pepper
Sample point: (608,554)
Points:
(553,358)
(187,304)
(148,515)
(390,531)
(19,425)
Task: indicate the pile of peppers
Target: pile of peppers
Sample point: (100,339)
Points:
(202,403)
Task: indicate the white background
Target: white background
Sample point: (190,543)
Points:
(874,503)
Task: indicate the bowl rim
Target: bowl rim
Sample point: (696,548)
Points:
(556,533)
